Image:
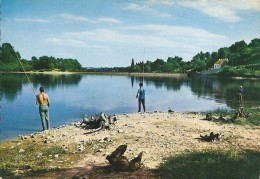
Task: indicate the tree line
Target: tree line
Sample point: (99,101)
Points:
(241,58)
(10,61)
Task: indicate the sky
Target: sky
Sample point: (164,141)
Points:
(110,33)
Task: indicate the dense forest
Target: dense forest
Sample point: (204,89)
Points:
(10,61)
(242,60)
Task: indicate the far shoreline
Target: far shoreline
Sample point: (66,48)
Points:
(136,74)
(103,73)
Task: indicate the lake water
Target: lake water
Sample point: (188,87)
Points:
(77,94)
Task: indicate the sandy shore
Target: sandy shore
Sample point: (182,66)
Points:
(158,135)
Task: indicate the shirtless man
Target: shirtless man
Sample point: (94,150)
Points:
(42,99)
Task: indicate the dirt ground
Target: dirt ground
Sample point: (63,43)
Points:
(157,135)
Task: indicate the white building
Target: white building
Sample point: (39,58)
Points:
(218,64)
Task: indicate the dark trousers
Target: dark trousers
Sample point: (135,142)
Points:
(141,101)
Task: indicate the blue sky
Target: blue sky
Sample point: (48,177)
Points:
(109,33)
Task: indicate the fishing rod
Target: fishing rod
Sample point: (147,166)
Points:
(22,67)
(26,75)
(143,64)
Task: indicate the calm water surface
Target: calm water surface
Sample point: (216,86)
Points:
(74,95)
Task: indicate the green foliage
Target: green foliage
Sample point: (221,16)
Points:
(51,63)
(10,61)
(7,54)
(252,118)
(242,61)
(242,70)
(212,164)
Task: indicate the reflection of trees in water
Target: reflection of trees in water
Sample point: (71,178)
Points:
(11,84)
(170,83)
(222,90)
(55,80)
(0,111)
(225,90)
(205,87)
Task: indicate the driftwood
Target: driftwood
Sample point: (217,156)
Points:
(101,121)
(170,110)
(211,137)
(121,163)
(239,113)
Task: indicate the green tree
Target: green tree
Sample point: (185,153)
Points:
(238,47)
(7,54)
(136,68)
(157,65)
(224,53)
(255,43)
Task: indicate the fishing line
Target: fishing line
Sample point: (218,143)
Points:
(143,64)
(21,65)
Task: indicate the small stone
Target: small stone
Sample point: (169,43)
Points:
(39,155)
(100,150)
(24,137)
(21,151)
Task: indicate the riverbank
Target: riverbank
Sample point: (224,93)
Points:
(104,73)
(76,152)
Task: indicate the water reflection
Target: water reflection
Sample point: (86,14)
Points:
(74,95)
(11,84)
(221,90)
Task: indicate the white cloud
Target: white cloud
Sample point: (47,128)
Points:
(65,42)
(177,31)
(145,9)
(108,20)
(70,17)
(214,9)
(183,41)
(34,20)
(242,4)
(225,10)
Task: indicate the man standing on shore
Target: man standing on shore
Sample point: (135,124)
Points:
(42,99)
(141,97)
(240,94)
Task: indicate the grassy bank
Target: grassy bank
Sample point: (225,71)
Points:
(252,70)
(27,157)
(212,164)
(252,116)
(37,159)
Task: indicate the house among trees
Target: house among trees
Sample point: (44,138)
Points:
(218,64)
